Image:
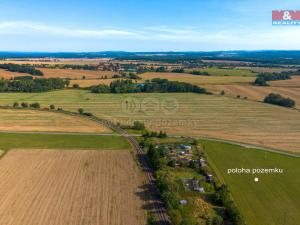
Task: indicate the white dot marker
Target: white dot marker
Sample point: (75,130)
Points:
(256,179)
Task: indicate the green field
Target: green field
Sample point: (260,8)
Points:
(274,200)
(62,141)
(228,72)
(195,115)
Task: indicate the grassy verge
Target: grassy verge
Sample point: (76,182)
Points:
(62,141)
(274,199)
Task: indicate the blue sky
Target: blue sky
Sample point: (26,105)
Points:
(144,25)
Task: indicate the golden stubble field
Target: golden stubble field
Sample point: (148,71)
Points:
(293,83)
(61,73)
(74,187)
(256,93)
(32,120)
(184,114)
(75,74)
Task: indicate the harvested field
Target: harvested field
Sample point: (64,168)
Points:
(267,69)
(75,74)
(32,120)
(256,93)
(8,75)
(70,188)
(294,82)
(196,115)
(200,80)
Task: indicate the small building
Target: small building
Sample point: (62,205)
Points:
(209,178)
(195,184)
(202,162)
(185,147)
(183,202)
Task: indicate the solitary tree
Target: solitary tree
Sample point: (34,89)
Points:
(80,110)
(52,107)
(16,105)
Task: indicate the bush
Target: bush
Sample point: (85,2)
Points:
(52,107)
(138,125)
(16,105)
(35,105)
(80,111)
(76,86)
(87,114)
(277,99)
(24,104)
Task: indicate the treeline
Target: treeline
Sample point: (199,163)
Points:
(163,69)
(263,78)
(155,85)
(70,66)
(223,198)
(128,76)
(32,85)
(277,99)
(21,69)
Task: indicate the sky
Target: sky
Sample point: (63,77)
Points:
(144,25)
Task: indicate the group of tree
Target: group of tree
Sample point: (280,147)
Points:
(32,85)
(82,112)
(127,75)
(160,134)
(277,99)
(263,78)
(223,198)
(35,105)
(70,66)
(194,72)
(21,69)
(156,85)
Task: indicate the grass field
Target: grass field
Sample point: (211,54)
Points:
(70,188)
(62,141)
(184,114)
(200,80)
(32,120)
(255,92)
(274,199)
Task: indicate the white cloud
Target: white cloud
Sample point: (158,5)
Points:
(29,28)
(237,38)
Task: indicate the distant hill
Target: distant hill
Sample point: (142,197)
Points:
(274,57)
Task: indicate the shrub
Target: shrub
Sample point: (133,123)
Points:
(76,86)
(277,99)
(24,104)
(80,111)
(35,105)
(16,105)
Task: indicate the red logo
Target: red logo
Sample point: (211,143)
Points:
(285,15)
